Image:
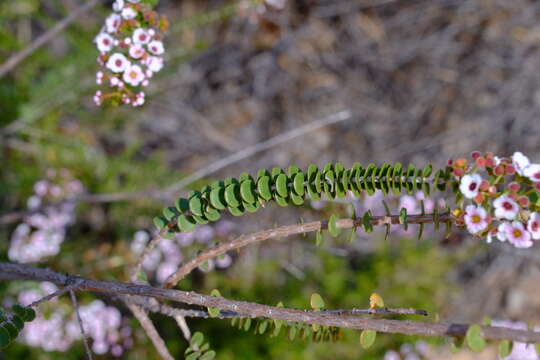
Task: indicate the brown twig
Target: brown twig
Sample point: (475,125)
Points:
(57,293)
(285,231)
(81,325)
(23,272)
(151,331)
(50,34)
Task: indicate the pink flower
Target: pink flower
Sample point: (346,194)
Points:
(533,225)
(118,5)
(117,63)
(518,235)
(104,42)
(133,75)
(112,23)
(505,208)
(501,231)
(476,219)
(156,47)
(520,162)
(470,184)
(155,63)
(128,13)
(532,172)
(140,36)
(136,51)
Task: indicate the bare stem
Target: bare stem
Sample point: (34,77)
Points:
(285,231)
(81,325)
(23,272)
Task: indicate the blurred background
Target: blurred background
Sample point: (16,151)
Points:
(423,81)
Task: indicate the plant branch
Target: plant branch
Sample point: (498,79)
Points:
(81,325)
(23,272)
(151,331)
(285,231)
(57,293)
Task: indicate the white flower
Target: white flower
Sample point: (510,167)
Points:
(155,63)
(117,63)
(533,225)
(133,75)
(518,235)
(469,186)
(505,207)
(112,23)
(128,13)
(136,51)
(475,219)
(532,172)
(104,42)
(118,5)
(501,231)
(134,1)
(156,47)
(520,162)
(140,36)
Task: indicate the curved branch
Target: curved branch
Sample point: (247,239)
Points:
(285,231)
(23,272)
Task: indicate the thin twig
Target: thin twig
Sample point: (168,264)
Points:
(284,231)
(81,325)
(151,331)
(57,293)
(50,34)
(24,272)
(381,311)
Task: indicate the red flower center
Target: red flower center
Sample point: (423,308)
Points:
(507,206)
(142,37)
(118,62)
(534,226)
(537,175)
(473,186)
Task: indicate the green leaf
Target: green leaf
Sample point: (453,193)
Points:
(232,196)
(212,311)
(209,355)
(332,226)
(30,314)
(366,222)
(186,223)
(217,198)
(263,186)
(292,333)
(17,322)
(193,356)
(247,324)
(247,191)
(376,301)
(196,339)
(367,338)
(298,184)
(263,326)
(5,339)
(317,302)
(505,348)
(318,238)
(281,185)
(403,218)
(160,222)
(196,205)
(474,338)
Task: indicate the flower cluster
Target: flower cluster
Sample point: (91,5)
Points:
(58,329)
(165,259)
(131,52)
(499,197)
(42,232)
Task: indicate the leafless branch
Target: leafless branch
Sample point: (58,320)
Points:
(23,272)
(285,231)
(151,331)
(81,325)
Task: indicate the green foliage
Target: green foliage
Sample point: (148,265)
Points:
(247,194)
(367,338)
(198,349)
(474,338)
(11,323)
